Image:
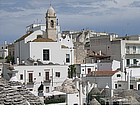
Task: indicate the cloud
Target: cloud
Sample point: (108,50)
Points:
(73,14)
(135,4)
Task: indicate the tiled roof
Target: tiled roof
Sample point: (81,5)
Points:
(23,37)
(43,40)
(101,73)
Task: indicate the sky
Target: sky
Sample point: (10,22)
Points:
(113,16)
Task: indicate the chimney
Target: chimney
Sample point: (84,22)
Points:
(17,61)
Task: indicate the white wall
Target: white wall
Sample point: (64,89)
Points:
(115,79)
(85,67)
(67,41)
(33,36)
(34,50)
(134,72)
(22,51)
(3,51)
(104,80)
(72,99)
(57,54)
(52,69)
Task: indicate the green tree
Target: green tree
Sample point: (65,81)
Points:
(9,59)
(71,71)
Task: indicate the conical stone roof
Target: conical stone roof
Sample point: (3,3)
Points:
(10,96)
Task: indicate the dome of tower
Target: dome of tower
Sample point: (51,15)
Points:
(51,11)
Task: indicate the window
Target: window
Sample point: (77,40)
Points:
(21,76)
(127,49)
(47,89)
(35,63)
(46,55)
(57,74)
(118,75)
(131,87)
(52,23)
(83,69)
(39,74)
(30,77)
(47,76)
(138,86)
(116,86)
(89,70)
(67,58)
(120,85)
(127,62)
(134,49)
(134,61)
(0,69)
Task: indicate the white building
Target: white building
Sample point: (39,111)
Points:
(83,69)
(102,65)
(4,50)
(50,76)
(124,49)
(102,78)
(127,52)
(42,55)
(45,44)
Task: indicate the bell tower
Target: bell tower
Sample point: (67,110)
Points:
(51,23)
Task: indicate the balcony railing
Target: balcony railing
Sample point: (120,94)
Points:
(30,83)
(47,81)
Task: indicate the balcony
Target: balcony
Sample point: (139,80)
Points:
(47,81)
(132,56)
(30,83)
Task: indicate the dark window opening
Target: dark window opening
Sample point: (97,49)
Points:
(67,58)
(21,76)
(134,61)
(47,76)
(131,87)
(30,77)
(52,23)
(118,75)
(128,62)
(89,70)
(57,74)
(120,85)
(47,89)
(46,55)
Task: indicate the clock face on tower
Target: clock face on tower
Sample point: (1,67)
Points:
(52,23)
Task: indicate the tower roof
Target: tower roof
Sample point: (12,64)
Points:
(51,11)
